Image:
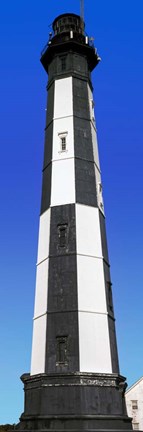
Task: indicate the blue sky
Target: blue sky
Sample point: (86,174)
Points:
(118,92)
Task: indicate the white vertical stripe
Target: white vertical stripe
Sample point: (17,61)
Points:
(91,284)
(63,182)
(39,325)
(94,343)
(94,346)
(63,167)
(39,346)
(44,236)
(41,295)
(63,98)
(88,231)
(62,125)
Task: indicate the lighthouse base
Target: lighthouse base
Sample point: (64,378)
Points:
(74,402)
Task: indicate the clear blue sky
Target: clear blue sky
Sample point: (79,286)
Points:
(118,91)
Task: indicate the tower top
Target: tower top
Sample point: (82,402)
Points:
(68,34)
(68,22)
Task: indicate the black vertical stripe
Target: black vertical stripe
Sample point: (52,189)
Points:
(80,99)
(83,139)
(50,104)
(85,180)
(103,236)
(113,345)
(48,145)
(47,168)
(46,189)
(63,214)
(62,316)
(85,183)
(111,320)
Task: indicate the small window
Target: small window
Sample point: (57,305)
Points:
(63,141)
(63,63)
(62,233)
(61,350)
(134,404)
(136,426)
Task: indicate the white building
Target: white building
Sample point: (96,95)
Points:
(134,403)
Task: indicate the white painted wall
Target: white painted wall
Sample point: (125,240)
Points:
(63,125)
(63,98)
(41,294)
(88,231)
(63,182)
(94,343)
(91,284)
(39,346)
(63,167)
(44,236)
(94,347)
(135,393)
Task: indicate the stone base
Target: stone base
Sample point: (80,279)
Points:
(74,402)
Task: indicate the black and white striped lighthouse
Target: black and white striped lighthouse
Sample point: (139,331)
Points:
(74,382)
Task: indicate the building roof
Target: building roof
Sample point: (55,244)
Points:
(134,385)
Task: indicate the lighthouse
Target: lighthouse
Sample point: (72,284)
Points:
(74,383)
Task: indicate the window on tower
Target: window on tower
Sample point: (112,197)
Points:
(63,63)
(63,141)
(61,350)
(63,235)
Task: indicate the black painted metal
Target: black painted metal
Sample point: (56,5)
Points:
(75,402)
(75,42)
(68,21)
(62,316)
(85,183)
(82,138)
(46,188)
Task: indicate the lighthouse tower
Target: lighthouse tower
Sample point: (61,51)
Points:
(74,383)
